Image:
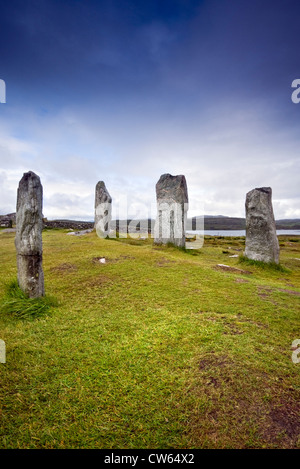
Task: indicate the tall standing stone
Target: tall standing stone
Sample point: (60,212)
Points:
(103,202)
(28,241)
(261,238)
(172,206)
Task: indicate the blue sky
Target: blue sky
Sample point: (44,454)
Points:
(124,91)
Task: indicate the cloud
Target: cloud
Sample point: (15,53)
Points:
(68,205)
(7,195)
(222,159)
(128,91)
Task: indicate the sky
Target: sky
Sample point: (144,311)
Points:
(124,91)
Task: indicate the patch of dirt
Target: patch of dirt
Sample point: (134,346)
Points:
(163,262)
(213,382)
(290,292)
(212,361)
(251,321)
(287,419)
(233,330)
(265,293)
(282,423)
(241,280)
(98,260)
(275,421)
(228,268)
(65,267)
(102,260)
(98,281)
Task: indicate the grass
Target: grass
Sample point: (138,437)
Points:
(263,265)
(156,348)
(16,303)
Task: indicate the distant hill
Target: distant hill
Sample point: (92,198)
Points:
(293,224)
(220,222)
(217,222)
(211,222)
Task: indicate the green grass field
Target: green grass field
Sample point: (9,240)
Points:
(156,348)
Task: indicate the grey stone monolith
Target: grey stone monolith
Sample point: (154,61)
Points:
(261,238)
(28,241)
(172,206)
(103,203)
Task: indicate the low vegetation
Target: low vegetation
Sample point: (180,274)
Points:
(151,347)
(16,303)
(263,265)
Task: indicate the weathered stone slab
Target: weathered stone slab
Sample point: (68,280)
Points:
(261,238)
(172,206)
(103,205)
(28,241)
(79,233)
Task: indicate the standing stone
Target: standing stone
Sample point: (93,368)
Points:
(261,239)
(102,210)
(28,241)
(172,206)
